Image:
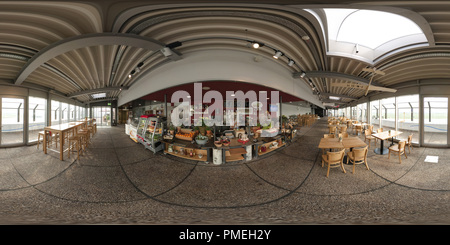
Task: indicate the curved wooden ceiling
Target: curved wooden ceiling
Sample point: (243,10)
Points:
(29,28)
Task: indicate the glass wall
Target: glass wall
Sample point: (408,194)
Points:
(375,114)
(56,112)
(408,117)
(37,115)
(102,115)
(12,121)
(361,111)
(435,110)
(64,113)
(388,114)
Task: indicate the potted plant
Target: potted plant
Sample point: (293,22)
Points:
(201,139)
(171,130)
(208,130)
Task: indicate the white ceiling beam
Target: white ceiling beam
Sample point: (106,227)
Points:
(82,41)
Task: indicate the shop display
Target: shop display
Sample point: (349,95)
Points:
(153,134)
(201,140)
(141,128)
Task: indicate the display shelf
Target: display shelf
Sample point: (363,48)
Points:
(268,144)
(178,147)
(234,154)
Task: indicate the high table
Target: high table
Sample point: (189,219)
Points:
(384,136)
(61,129)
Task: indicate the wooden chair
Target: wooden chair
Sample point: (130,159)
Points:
(334,159)
(358,156)
(370,127)
(399,149)
(343,135)
(343,129)
(332,129)
(368,136)
(380,130)
(358,129)
(409,143)
(328,135)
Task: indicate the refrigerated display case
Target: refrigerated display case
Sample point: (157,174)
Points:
(153,134)
(141,128)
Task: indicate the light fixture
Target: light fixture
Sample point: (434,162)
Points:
(129,76)
(166,51)
(303,75)
(232,95)
(334,98)
(98,95)
(277,55)
(291,63)
(255,45)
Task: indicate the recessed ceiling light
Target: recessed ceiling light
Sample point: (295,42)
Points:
(334,98)
(99,95)
(206,88)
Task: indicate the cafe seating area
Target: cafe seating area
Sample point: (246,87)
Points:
(340,147)
(72,137)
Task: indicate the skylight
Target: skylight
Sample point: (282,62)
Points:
(369,34)
(368,27)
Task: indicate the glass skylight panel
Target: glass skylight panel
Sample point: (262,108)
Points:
(374,28)
(369,33)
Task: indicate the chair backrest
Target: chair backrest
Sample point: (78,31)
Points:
(328,135)
(379,130)
(360,154)
(332,130)
(343,135)
(370,127)
(367,132)
(343,129)
(410,139)
(401,145)
(335,156)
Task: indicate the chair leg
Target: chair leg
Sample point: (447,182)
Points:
(328,170)
(400,157)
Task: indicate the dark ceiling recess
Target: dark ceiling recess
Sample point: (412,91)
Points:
(220,86)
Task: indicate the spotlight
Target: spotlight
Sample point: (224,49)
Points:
(277,55)
(303,75)
(255,45)
(166,51)
(291,63)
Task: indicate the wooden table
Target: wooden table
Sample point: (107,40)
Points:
(61,129)
(384,136)
(347,143)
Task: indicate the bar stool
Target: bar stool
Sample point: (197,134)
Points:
(75,140)
(41,133)
(84,136)
(50,137)
(91,130)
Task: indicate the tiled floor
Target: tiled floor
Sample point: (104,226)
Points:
(119,182)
